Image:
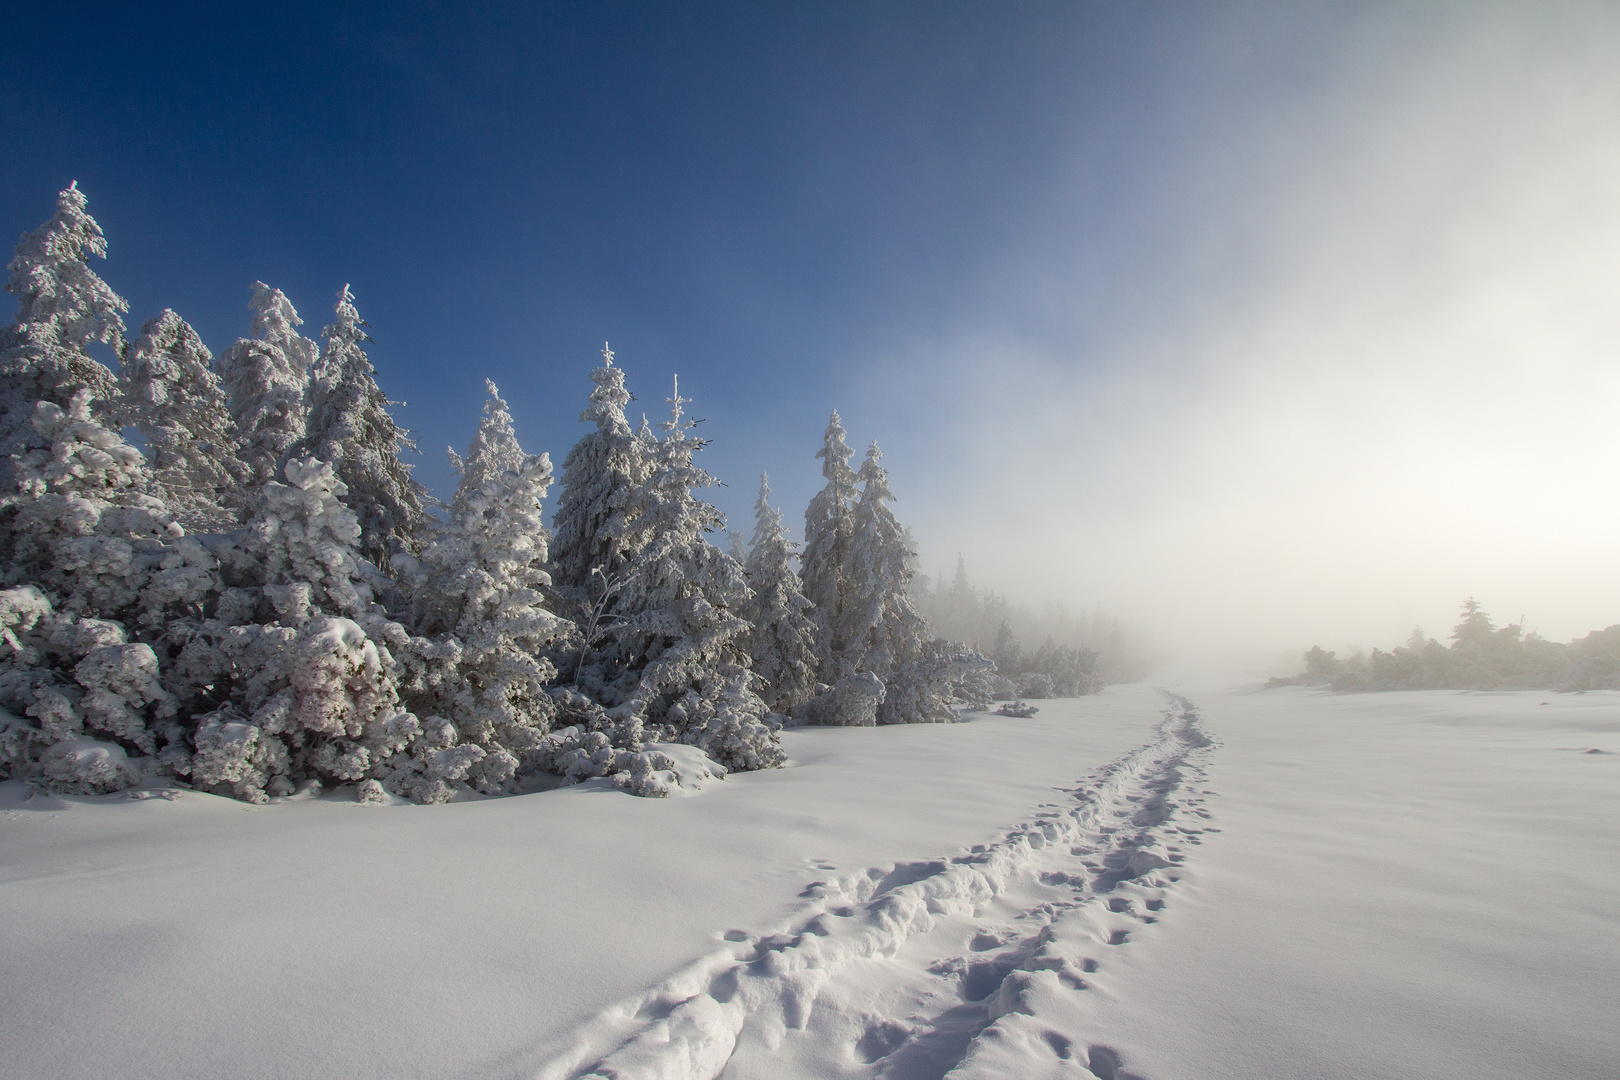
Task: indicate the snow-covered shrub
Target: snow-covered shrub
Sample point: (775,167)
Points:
(1072,672)
(851,702)
(1481,657)
(590,741)
(1035,684)
(293,677)
(81,766)
(727,720)
(318,701)
(926,690)
(83,686)
(1051,671)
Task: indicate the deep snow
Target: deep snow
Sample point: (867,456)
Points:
(1412,884)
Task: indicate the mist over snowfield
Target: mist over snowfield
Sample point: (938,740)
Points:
(1353,360)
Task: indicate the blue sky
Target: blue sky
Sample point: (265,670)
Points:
(759,197)
(1075,265)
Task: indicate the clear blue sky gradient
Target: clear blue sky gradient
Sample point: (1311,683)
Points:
(760,197)
(1098,274)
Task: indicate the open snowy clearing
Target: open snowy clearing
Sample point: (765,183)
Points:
(1281,884)
(1413,884)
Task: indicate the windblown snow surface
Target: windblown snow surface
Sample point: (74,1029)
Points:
(1193,885)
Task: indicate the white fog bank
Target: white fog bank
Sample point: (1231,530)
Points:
(1373,372)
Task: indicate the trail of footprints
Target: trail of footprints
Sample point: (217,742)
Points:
(972,967)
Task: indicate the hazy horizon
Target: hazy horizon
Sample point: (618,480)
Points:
(1378,380)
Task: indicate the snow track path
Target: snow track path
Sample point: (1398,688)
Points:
(974,965)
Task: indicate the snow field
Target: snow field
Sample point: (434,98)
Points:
(187,938)
(924,968)
(1406,884)
(1414,884)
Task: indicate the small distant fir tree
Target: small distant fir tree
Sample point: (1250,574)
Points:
(881,629)
(481,597)
(878,627)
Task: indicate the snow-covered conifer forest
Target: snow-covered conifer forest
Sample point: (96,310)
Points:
(220,572)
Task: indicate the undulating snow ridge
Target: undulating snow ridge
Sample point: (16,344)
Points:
(956,966)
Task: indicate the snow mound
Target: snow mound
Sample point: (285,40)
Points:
(851,702)
(691,770)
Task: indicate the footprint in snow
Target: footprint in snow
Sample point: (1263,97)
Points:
(1105,1064)
(878,1041)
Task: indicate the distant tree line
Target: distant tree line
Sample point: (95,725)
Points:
(1076,655)
(260,599)
(1481,656)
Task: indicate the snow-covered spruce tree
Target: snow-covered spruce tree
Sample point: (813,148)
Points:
(266,377)
(95,555)
(829,526)
(1071,672)
(922,690)
(783,642)
(63,307)
(880,630)
(349,427)
(1008,651)
(596,528)
(173,397)
(678,650)
(878,626)
(90,531)
(481,599)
